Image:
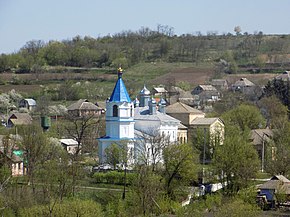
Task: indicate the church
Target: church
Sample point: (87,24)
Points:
(133,122)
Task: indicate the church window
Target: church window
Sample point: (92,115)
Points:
(131,111)
(115,111)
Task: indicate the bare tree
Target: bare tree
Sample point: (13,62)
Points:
(150,145)
(80,128)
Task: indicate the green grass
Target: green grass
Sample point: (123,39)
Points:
(261,175)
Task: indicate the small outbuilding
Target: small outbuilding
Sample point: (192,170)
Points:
(70,145)
(29,104)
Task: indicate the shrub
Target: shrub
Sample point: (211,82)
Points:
(114,177)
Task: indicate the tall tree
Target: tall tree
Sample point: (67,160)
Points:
(80,128)
(278,161)
(34,145)
(180,166)
(245,117)
(236,161)
(274,111)
(53,174)
(280,89)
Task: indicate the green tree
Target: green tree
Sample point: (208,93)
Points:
(280,89)
(236,161)
(34,144)
(278,155)
(274,111)
(55,53)
(53,174)
(145,190)
(180,166)
(245,117)
(113,155)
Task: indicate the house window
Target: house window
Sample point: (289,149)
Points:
(115,111)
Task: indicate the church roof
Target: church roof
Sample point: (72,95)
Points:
(143,113)
(120,93)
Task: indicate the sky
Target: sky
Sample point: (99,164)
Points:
(25,20)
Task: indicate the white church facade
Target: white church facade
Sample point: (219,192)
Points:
(131,121)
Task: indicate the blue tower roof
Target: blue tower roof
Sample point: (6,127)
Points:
(120,93)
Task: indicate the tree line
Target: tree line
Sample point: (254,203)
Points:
(131,47)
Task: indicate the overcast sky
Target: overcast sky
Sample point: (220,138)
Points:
(26,20)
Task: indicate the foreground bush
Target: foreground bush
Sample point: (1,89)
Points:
(114,177)
(70,207)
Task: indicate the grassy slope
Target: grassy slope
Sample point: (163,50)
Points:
(134,77)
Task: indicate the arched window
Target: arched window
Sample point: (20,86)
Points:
(115,111)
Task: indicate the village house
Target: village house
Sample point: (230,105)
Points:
(186,114)
(159,91)
(15,163)
(17,119)
(213,126)
(243,85)
(11,156)
(220,84)
(260,138)
(268,191)
(205,94)
(83,107)
(29,104)
(195,119)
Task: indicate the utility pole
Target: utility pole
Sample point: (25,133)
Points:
(203,160)
(263,152)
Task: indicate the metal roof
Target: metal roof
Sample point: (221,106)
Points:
(31,102)
(160,89)
(120,93)
(180,107)
(142,113)
(68,142)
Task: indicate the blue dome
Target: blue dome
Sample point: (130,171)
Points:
(120,93)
